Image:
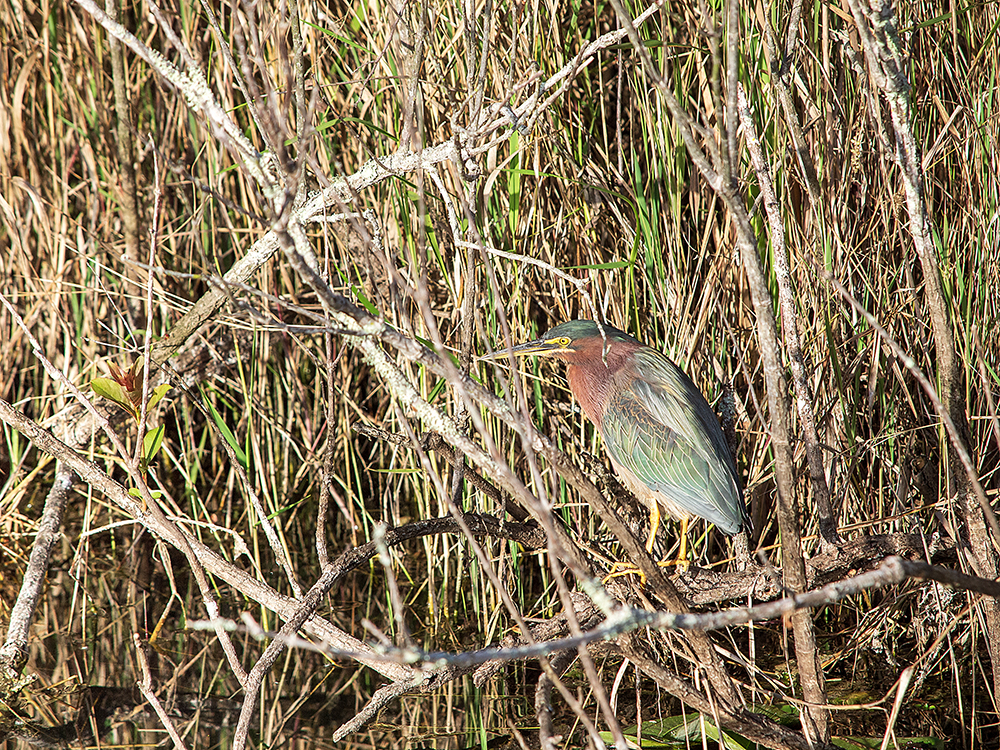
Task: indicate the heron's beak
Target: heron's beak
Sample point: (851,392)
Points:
(539,347)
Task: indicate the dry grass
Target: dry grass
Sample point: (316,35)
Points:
(598,185)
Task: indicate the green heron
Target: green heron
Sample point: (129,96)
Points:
(663,438)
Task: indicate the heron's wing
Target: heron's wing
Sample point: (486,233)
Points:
(659,427)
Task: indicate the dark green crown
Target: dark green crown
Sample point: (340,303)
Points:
(576,330)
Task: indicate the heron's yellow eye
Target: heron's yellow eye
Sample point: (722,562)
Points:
(563,342)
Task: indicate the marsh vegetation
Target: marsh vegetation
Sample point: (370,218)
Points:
(310,220)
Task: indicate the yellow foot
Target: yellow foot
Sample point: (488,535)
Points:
(682,565)
(627,569)
(620,569)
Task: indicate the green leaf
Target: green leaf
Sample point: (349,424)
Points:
(113,391)
(284,509)
(680,732)
(228,435)
(873,743)
(339,37)
(151,444)
(158,393)
(609,266)
(365,302)
(327,124)
(135,492)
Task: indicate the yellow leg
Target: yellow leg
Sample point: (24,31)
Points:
(624,569)
(654,525)
(681,561)
(682,555)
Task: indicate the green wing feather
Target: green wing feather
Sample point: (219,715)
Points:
(659,426)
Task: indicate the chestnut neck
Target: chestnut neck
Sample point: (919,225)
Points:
(591,373)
